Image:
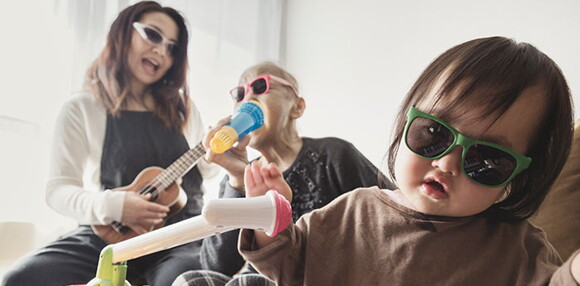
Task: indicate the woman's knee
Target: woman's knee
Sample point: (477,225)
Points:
(26,273)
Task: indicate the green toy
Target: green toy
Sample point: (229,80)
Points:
(109,273)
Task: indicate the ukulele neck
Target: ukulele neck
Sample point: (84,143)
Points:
(180,166)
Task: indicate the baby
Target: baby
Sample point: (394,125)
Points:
(478,142)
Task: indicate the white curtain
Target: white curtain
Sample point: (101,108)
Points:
(223,33)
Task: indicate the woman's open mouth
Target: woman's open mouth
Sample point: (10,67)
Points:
(150,66)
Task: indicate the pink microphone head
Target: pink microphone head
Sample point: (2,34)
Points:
(283,213)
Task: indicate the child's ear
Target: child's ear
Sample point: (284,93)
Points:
(298,108)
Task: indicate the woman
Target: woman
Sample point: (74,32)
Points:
(318,170)
(135,113)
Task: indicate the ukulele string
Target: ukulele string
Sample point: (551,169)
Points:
(169,175)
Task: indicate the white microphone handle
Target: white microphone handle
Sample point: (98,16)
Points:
(254,213)
(218,216)
(164,238)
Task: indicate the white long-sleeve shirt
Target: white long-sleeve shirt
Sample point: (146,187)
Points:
(73,187)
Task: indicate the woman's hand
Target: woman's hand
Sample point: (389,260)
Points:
(261,180)
(233,161)
(140,214)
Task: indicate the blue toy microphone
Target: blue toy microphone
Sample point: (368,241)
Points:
(246,119)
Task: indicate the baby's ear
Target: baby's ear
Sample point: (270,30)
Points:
(298,109)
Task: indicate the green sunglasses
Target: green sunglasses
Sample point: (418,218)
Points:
(485,163)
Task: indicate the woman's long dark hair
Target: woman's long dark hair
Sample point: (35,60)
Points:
(108,76)
(491,73)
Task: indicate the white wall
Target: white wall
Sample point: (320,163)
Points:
(356,59)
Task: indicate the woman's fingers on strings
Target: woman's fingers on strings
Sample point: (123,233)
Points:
(152,221)
(157,208)
(154,215)
(139,229)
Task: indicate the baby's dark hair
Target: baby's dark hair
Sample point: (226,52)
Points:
(491,73)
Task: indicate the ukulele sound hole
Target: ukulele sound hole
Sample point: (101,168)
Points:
(150,190)
(120,228)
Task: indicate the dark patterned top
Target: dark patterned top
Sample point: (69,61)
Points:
(324,169)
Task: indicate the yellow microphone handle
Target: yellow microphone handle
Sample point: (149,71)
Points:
(224,139)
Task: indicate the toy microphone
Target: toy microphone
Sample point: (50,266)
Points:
(246,119)
(270,213)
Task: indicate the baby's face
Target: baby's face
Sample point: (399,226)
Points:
(439,186)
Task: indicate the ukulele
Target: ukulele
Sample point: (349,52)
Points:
(160,183)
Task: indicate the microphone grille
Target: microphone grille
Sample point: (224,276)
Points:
(223,140)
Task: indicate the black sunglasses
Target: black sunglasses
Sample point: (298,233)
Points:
(485,163)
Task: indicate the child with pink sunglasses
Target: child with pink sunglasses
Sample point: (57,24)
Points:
(478,142)
(317,169)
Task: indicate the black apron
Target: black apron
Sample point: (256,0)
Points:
(137,140)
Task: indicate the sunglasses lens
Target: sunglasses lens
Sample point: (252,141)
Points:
(488,165)
(153,35)
(428,138)
(237,93)
(172,49)
(259,86)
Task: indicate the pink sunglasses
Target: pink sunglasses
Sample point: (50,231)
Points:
(258,86)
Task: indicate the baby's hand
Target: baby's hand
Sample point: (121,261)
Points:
(260,180)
